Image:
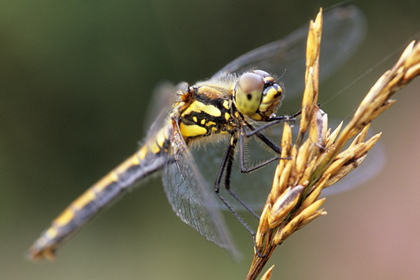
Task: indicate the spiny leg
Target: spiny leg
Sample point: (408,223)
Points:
(226,169)
(270,122)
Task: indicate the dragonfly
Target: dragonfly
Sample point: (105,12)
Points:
(230,109)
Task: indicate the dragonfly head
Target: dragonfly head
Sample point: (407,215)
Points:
(257,95)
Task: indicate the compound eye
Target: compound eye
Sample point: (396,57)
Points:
(248,93)
(262,73)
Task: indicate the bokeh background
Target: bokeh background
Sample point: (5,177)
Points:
(76,78)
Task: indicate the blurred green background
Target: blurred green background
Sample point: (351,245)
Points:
(76,78)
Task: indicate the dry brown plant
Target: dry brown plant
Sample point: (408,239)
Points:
(317,158)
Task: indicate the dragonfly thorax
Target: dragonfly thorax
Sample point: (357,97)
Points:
(257,95)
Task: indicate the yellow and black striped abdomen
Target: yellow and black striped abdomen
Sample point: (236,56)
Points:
(149,158)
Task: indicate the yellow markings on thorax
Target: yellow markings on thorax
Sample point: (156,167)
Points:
(198,107)
(210,123)
(192,130)
(226,104)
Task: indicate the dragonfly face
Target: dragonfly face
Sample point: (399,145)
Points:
(256,95)
(227,105)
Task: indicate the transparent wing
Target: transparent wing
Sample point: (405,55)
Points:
(370,167)
(191,198)
(343,30)
(163,98)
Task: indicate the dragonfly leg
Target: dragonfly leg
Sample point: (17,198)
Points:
(226,170)
(270,122)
